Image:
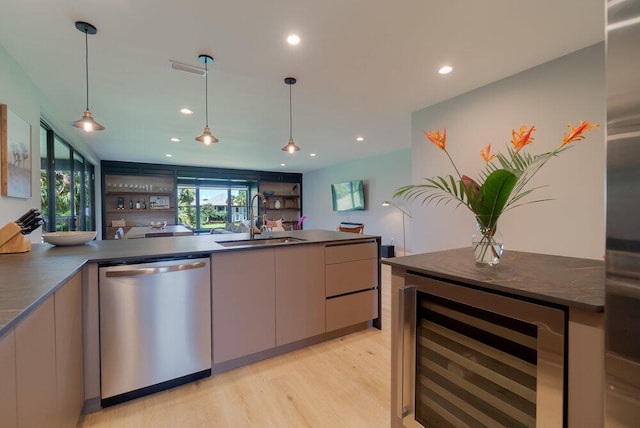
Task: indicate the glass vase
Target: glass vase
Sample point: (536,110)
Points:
(487,244)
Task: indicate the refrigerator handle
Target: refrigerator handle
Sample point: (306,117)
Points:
(154,270)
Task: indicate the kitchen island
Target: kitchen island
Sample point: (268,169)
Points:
(29,278)
(35,286)
(523,291)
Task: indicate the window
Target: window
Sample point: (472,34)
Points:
(66,185)
(206,206)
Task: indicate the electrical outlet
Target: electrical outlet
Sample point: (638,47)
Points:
(393,241)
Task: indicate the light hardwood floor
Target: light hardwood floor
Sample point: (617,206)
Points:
(339,383)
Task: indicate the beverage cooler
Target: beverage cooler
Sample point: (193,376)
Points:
(471,358)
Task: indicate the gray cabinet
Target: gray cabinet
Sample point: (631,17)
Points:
(36,368)
(41,363)
(351,284)
(271,297)
(243,303)
(300,282)
(8,415)
(69,351)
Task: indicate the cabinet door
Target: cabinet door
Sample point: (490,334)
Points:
(351,309)
(8,381)
(300,294)
(349,277)
(243,302)
(69,350)
(36,368)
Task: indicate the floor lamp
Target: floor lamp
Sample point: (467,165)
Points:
(404,242)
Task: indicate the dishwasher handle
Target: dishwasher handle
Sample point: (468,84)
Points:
(154,270)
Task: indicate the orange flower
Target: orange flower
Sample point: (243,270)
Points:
(437,139)
(486,154)
(521,138)
(575,134)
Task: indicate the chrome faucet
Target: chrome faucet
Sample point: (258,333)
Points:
(252,228)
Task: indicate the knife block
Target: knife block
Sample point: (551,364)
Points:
(12,241)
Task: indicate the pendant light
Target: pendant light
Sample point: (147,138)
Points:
(87,123)
(291,146)
(206,137)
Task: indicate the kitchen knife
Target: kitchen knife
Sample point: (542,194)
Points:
(25,215)
(29,219)
(32,227)
(35,223)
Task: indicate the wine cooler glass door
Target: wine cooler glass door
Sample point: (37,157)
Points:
(474,358)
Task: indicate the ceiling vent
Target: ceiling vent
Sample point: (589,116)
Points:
(175,65)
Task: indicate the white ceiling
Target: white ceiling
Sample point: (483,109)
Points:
(362,67)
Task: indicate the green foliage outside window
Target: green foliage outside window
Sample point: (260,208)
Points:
(211,216)
(187,211)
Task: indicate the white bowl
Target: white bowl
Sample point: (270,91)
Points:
(68,238)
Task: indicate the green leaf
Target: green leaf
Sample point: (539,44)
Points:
(454,186)
(493,196)
(517,196)
(436,190)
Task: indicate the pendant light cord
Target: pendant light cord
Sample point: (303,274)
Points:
(206,91)
(290,115)
(86,62)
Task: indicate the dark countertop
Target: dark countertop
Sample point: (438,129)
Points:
(565,281)
(27,279)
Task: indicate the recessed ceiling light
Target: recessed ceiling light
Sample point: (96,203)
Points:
(175,140)
(293,39)
(359,139)
(186,111)
(282,164)
(168,155)
(445,69)
(313,155)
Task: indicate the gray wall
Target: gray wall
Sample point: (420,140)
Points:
(381,175)
(550,96)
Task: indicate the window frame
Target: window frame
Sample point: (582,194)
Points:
(228,185)
(87,190)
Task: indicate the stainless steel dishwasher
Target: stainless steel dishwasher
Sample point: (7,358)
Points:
(155,326)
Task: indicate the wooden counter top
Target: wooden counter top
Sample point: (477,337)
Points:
(27,279)
(565,281)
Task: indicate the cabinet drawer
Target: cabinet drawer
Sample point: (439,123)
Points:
(351,309)
(345,278)
(350,252)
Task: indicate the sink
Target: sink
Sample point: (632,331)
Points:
(261,241)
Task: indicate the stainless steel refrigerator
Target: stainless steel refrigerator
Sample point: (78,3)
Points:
(622,314)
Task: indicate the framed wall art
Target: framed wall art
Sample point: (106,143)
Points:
(15,154)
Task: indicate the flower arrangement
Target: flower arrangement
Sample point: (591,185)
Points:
(500,187)
(302,219)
